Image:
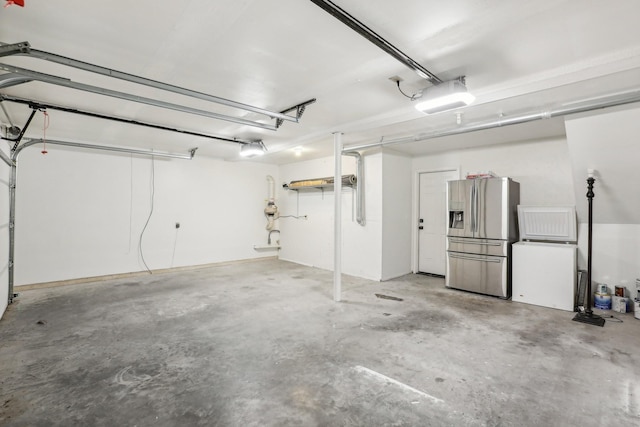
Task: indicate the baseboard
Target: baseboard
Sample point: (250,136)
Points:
(93,279)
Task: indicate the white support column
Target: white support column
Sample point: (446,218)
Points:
(337,220)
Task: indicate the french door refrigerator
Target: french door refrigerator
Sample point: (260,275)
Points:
(482,226)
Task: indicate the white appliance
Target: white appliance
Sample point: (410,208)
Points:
(545,259)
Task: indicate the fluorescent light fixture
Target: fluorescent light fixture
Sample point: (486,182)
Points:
(252,149)
(444,96)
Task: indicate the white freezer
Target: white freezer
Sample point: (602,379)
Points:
(544,274)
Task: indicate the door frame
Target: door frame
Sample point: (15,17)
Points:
(415,250)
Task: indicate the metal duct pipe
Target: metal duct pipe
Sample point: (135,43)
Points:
(24,49)
(359,185)
(271,189)
(271,210)
(611,101)
(329,181)
(59,81)
(13,180)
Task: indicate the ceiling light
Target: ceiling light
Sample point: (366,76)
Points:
(253,149)
(297,151)
(444,96)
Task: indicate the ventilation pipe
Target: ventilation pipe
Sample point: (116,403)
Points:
(271,210)
(582,107)
(359,185)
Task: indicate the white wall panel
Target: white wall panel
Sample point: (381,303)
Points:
(542,168)
(615,254)
(396,212)
(80,213)
(607,141)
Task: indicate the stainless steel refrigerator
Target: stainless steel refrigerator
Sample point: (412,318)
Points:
(481,228)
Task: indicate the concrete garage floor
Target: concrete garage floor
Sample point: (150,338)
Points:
(263,344)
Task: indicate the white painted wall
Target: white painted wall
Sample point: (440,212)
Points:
(310,241)
(4,235)
(396,214)
(608,142)
(615,254)
(80,213)
(542,168)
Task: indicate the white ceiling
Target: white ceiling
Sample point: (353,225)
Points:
(518,57)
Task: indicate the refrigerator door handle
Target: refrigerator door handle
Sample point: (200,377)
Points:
(471,242)
(482,259)
(472,206)
(476,207)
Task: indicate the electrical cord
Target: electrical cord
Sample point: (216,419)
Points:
(411,97)
(153,192)
(613,318)
(292,216)
(175,244)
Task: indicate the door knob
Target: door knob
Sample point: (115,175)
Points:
(420,228)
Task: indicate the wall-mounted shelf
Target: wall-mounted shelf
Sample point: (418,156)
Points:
(266,247)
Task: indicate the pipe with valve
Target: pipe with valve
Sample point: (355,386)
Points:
(271,210)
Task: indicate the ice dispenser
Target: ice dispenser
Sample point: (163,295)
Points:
(456,219)
(456,201)
(456,213)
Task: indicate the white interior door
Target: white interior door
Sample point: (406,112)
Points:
(432,222)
